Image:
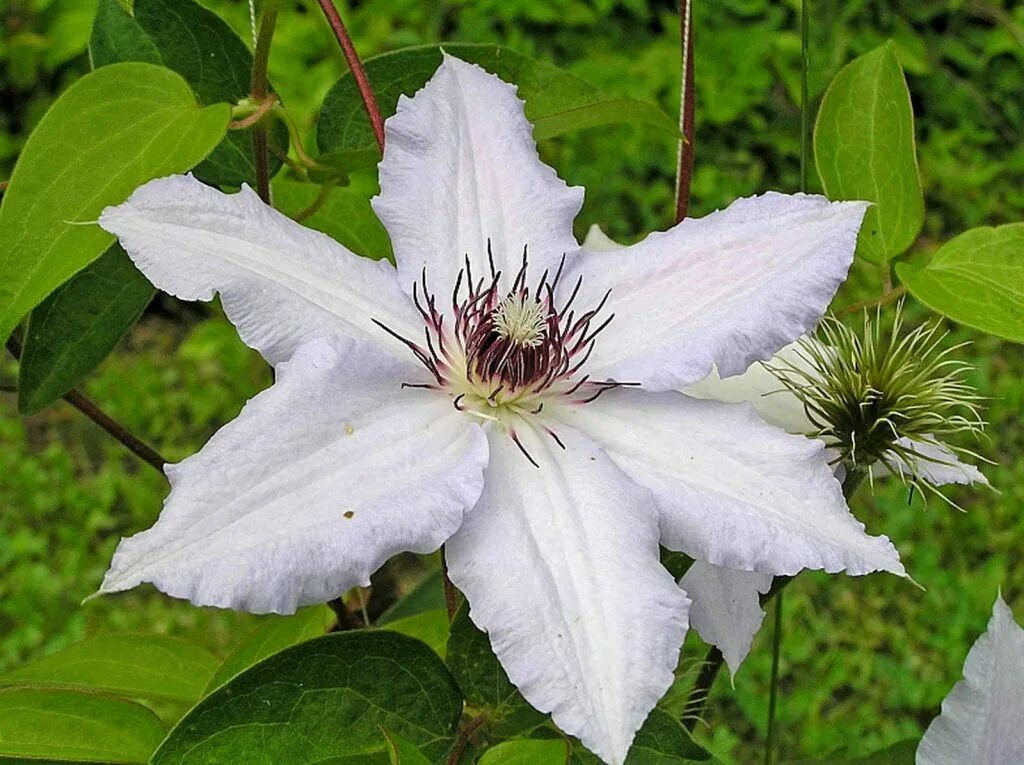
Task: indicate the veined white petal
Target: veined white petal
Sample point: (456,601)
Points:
(937,464)
(728,289)
(771,400)
(560,566)
(318,481)
(726,608)
(732,490)
(281,283)
(460,170)
(982,720)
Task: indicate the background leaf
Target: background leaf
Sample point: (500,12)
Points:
(325,698)
(431,627)
(661,741)
(864,148)
(197,44)
(114,129)
(484,682)
(976,278)
(527,752)
(61,725)
(345,214)
(275,634)
(136,666)
(556,101)
(401,752)
(902,753)
(427,595)
(74,329)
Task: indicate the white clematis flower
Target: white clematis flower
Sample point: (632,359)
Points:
(982,720)
(484,397)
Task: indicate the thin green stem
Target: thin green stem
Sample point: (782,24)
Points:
(773,690)
(258,88)
(805,145)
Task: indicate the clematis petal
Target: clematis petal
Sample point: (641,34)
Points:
(281,283)
(460,170)
(771,400)
(982,720)
(560,566)
(732,490)
(319,480)
(728,289)
(937,464)
(726,609)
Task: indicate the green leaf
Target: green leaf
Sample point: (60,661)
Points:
(115,37)
(903,753)
(137,666)
(345,215)
(401,752)
(864,149)
(60,725)
(527,752)
(275,634)
(74,329)
(112,130)
(430,626)
(484,682)
(201,47)
(976,278)
(428,595)
(556,101)
(661,741)
(325,698)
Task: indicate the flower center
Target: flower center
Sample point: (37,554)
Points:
(505,350)
(521,321)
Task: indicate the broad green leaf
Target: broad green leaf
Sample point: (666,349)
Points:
(661,741)
(60,725)
(323,699)
(902,753)
(864,149)
(74,329)
(401,752)
(112,130)
(430,626)
(137,666)
(201,47)
(345,215)
(484,682)
(527,752)
(976,278)
(116,37)
(556,101)
(275,634)
(428,595)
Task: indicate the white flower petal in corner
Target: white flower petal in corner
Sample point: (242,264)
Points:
(982,720)
(728,289)
(732,490)
(321,479)
(560,565)
(726,608)
(460,171)
(281,283)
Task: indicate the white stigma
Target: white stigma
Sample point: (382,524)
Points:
(521,320)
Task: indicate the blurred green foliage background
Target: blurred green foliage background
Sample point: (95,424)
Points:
(866,661)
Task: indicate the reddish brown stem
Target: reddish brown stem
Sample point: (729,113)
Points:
(356,67)
(684,174)
(451,595)
(87,407)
